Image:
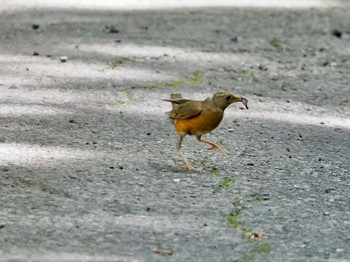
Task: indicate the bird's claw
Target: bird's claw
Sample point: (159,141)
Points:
(191,168)
(215,147)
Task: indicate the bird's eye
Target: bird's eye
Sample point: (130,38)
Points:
(228,97)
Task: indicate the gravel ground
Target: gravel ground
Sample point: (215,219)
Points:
(88,166)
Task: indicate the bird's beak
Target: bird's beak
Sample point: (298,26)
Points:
(244,101)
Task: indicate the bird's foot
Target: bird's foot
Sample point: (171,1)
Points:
(191,168)
(215,147)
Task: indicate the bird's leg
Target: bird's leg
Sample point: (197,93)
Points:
(179,150)
(213,146)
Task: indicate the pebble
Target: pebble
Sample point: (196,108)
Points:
(234,39)
(35,53)
(231,130)
(337,33)
(263,68)
(63,59)
(112,30)
(35,26)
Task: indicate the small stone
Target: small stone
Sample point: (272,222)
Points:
(205,224)
(63,59)
(230,130)
(111,167)
(35,26)
(112,30)
(337,33)
(262,68)
(234,39)
(148,134)
(250,164)
(148,209)
(35,53)
(118,41)
(321,123)
(326,213)
(121,167)
(71,121)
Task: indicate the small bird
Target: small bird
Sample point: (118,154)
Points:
(191,117)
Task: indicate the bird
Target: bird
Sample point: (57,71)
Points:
(196,118)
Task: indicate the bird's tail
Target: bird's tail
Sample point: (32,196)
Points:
(175,96)
(175,106)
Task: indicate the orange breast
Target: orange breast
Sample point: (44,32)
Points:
(201,124)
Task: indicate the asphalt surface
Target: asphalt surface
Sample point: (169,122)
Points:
(88,166)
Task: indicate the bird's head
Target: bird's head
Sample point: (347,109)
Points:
(224,99)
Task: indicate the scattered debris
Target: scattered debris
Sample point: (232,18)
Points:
(255,235)
(276,43)
(161,251)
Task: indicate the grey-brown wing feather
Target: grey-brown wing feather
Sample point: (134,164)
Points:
(186,110)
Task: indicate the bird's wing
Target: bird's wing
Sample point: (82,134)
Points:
(186,110)
(177,101)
